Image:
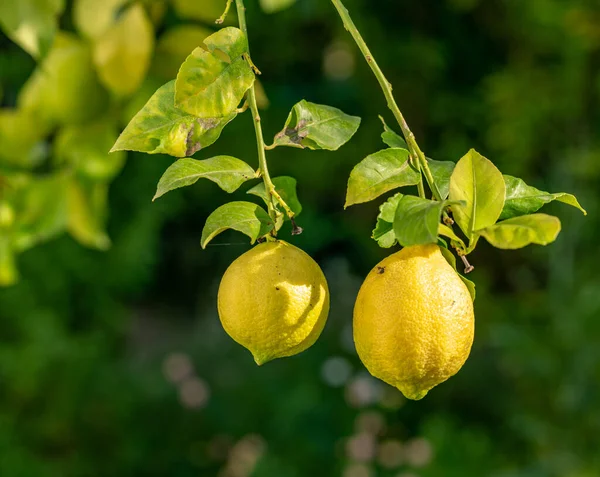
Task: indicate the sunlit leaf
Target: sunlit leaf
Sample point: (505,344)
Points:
(64,89)
(212,83)
(383,233)
(272,6)
(227,172)
(379,173)
(161,128)
(441,172)
(87,206)
(446,231)
(86,147)
(92,18)
(520,231)
(317,126)
(286,188)
(522,199)
(174,46)
(391,138)
(479,184)
(31,24)
(417,220)
(245,217)
(122,54)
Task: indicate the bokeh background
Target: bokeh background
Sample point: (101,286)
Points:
(113,363)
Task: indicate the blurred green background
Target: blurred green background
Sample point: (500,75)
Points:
(113,363)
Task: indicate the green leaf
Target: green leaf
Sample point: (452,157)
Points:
(391,138)
(41,210)
(31,24)
(92,18)
(212,83)
(64,89)
(521,231)
(451,259)
(379,173)
(316,127)
(478,183)
(227,172)
(383,233)
(272,6)
(470,286)
(85,148)
(122,54)
(441,172)
(286,188)
(446,231)
(522,199)
(174,46)
(245,217)
(88,210)
(417,220)
(161,128)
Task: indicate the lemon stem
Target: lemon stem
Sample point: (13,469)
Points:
(260,142)
(391,102)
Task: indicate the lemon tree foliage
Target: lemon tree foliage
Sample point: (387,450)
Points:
(286,187)
(161,128)
(189,113)
(246,217)
(471,193)
(227,172)
(316,126)
(212,83)
(379,173)
(272,6)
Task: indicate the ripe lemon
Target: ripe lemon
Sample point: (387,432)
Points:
(413,320)
(274,301)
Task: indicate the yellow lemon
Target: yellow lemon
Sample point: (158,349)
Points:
(274,301)
(413,320)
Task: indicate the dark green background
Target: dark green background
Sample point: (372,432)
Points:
(85,335)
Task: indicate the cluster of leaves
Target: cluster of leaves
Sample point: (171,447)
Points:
(189,113)
(474,194)
(55,169)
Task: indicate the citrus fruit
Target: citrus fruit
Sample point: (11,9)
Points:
(413,320)
(274,301)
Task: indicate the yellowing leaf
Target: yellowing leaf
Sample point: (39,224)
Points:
(212,83)
(21,139)
(518,232)
(122,54)
(479,185)
(161,128)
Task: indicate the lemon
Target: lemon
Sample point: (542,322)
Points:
(274,301)
(413,320)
